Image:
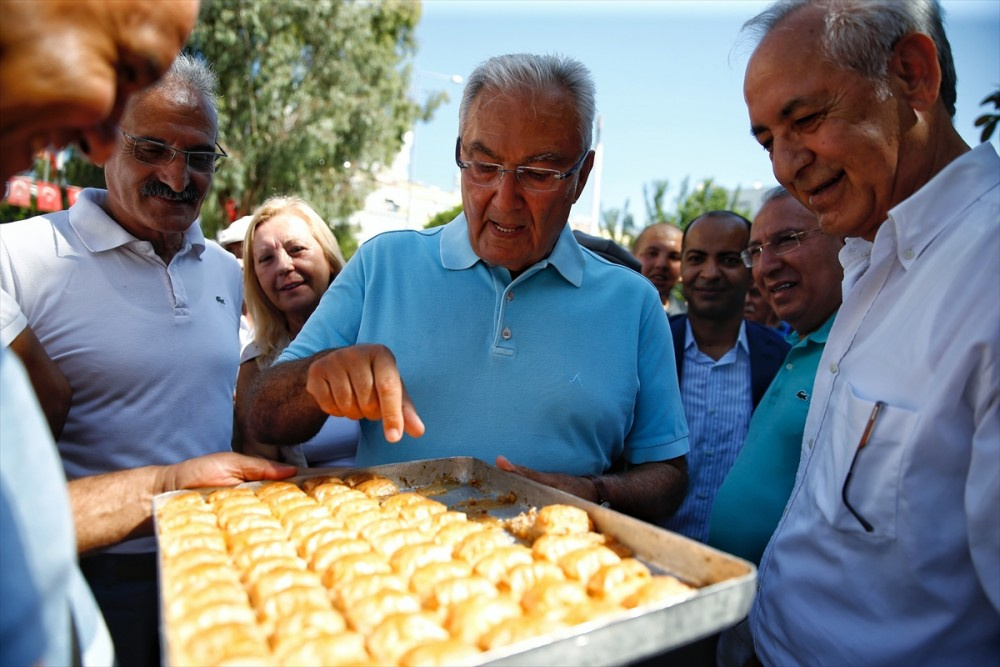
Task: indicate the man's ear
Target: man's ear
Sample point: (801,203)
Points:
(588,164)
(915,68)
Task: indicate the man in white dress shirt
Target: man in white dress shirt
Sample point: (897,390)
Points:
(889,549)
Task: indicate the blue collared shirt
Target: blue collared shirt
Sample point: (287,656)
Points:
(566,368)
(718,403)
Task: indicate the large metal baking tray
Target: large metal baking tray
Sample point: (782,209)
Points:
(726,584)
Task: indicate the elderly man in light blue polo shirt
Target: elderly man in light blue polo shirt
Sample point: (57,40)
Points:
(498,336)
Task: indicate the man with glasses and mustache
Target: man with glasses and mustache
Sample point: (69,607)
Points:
(490,336)
(142,317)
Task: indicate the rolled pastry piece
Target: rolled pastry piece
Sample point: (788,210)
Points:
(469,619)
(391,542)
(311,484)
(658,590)
(261,550)
(553,547)
(398,633)
(562,520)
(225,643)
(449,652)
(425,579)
(452,591)
(352,566)
(347,593)
(475,546)
(273,582)
(496,564)
(582,564)
(220,495)
(522,577)
(273,488)
(453,532)
(377,488)
(517,629)
(616,581)
(364,615)
(410,557)
(257,569)
(399,500)
(345,648)
(418,513)
(326,554)
(550,596)
(305,623)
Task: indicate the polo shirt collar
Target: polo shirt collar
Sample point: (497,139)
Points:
(566,257)
(741,337)
(819,336)
(99,232)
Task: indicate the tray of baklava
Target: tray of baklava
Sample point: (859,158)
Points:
(433,562)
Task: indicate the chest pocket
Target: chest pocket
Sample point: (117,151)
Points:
(876,481)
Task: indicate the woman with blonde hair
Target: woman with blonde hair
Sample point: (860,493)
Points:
(290,257)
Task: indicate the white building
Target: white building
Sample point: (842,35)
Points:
(399,203)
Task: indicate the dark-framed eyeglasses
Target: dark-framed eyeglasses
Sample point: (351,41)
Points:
(534,179)
(865,437)
(159,154)
(782,245)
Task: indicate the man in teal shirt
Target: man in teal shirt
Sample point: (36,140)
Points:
(797,269)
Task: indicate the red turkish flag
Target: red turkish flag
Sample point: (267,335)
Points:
(19,191)
(48,196)
(72,192)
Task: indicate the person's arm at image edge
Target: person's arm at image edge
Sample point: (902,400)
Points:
(116,506)
(51,386)
(242,441)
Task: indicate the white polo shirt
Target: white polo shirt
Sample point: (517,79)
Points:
(151,350)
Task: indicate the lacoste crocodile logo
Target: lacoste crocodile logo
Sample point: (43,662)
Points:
(220,300)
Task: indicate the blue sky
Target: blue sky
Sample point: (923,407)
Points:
(669,79)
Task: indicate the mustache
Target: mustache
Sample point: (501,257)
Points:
(160,189)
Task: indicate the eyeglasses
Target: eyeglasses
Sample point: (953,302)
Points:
(865,437)
(159,154)
(535,179)
(782,245)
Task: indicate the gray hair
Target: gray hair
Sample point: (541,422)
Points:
(859,35)
(520,71)
(194,74)
(778,192)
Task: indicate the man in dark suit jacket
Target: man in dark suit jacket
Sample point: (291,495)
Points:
(724,363)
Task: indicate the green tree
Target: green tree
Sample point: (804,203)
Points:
(618,224)
(705,197)
(989,120)
(313,100)
(444,217)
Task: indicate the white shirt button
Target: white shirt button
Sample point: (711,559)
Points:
(510,296)
(506,334)
(908,254)
(789,367)
(833,368)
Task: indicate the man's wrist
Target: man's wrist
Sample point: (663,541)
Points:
(603,498)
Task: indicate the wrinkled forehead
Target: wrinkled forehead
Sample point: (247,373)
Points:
(174,104)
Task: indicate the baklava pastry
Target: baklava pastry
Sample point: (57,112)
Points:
(582,564)
(496,564)
(398,633)
(475,546)
(468,620)
(452,591)
(226,643)
(365,614)
(518,629)
(409,558)
(328,553)
(562,520)
(348,593)
(660,589)
(440,652)
(352,566)
(550,596)
(522,577)
(553,547)
(311,484)
(617,581)
(305,623)
(377,488)
(341,649)
(426,578)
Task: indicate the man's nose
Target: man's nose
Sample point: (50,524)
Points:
(176,174)
(788,158)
